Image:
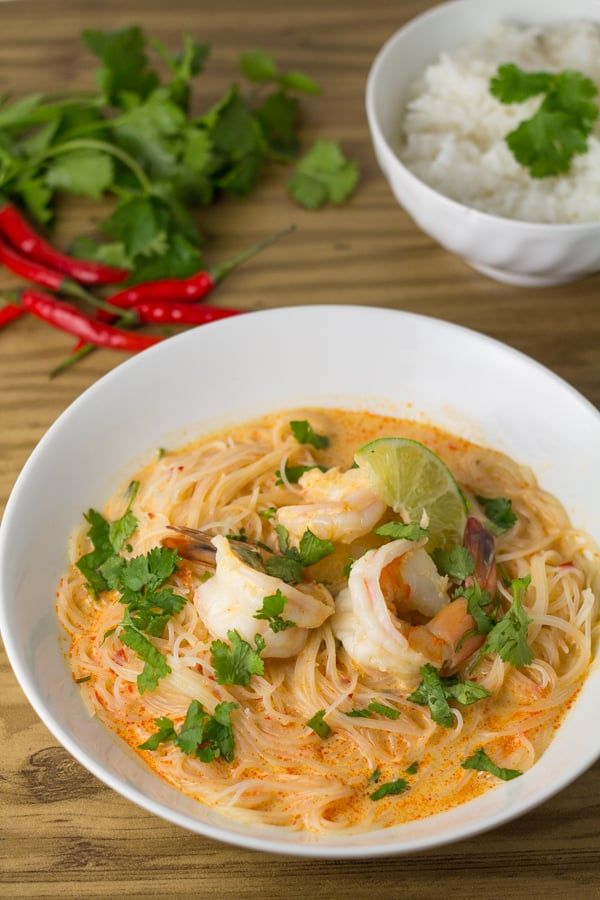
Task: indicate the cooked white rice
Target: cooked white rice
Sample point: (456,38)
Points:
(453,130)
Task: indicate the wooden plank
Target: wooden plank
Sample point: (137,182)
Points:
(64,834)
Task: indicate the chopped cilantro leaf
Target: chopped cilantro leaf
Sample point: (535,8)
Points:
(359,713)
(375,775)
(388,711)
(252,558)
(481,762)
(465,692)
(121,530)
(290,566)
(431,692)
(202,735)
(547,142)
(239,536)
(218,740)
(390,788)
(89,563)
(476,600)
(235,663)
(271,611)
(398,530)
(313,549)
(293,474)
(318,724)
(268,513)
(283,538)
(508,638)
(436,691)
(166,732)
(304,434)
(156,666)
(499,513)
(513,85)
(457,562)
(323,175)
(348,567)
(412,769)
(111,571)
(285,567)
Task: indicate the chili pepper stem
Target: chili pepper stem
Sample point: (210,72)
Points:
(71,359)
(72,289)
(82,349)
(221,270)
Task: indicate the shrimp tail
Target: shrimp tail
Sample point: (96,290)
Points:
(482,546)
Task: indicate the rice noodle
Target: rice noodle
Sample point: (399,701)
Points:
(282,773)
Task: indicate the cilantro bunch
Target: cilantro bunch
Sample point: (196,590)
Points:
(547,142)
(137,138)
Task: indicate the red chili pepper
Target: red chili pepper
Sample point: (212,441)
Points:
(22,236)
(48,278)
(193,288)
(68,318)
(9,313)
(158,312)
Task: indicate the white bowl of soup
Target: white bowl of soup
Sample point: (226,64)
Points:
(328,743)
(514,248)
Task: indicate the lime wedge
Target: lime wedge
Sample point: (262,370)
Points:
(411,478)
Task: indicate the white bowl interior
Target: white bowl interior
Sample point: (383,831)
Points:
(231,371)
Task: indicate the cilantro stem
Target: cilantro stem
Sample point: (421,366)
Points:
(105,147)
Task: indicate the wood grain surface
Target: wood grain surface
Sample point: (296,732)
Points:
(65,834)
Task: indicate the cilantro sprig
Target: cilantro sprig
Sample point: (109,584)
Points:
(435,692)
(135,139)
(547,142)
(508,638)
(141,584)
(481,762)
(238,661)
(107,538)
(201,735)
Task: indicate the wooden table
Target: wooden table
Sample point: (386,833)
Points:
(64,833)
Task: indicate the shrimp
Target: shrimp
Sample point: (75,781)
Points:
(340,506)
(232,597)
(391,590)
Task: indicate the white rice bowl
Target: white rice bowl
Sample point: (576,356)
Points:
(454,129)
